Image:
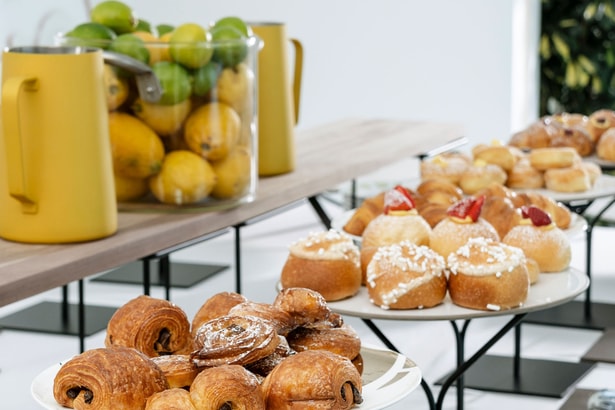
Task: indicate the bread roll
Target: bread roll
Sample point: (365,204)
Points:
(452,233)
(406,276)
(488,275)
(327,262)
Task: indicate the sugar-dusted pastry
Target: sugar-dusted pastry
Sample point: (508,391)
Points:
(174,398)
(558,212)
(215,306)
(119,378)
(227,387)
(233,340)
(313,379)
(151,325)
(463,222)
(406,276)
(524,176)
(480,175)
(488,275)
(399,222)
(541,240)
(179,369)
(305,306)
(495,153)
(572,179)
(281,320)
(448,166)
(536,135)
(327,262)
(574,137)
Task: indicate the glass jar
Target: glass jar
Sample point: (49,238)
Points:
(194,148)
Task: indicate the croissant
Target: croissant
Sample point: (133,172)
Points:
(150,325)
(342,340)
(368,210)
(560,215)
(86,382)
(216,306)
(179,369)
(501,213)
(280,319)
(313,379)
(171,399)
(227,386)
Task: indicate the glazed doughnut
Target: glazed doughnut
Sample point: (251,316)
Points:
(599,122)
(548,245)
(445,166)
(304,305)
(571,179)
(488,275)
(548,158)
(280,319)
(216,306)
(179,370)
(227,386)
(524,176)
(406,276)
(501,155)
(480,175)
(451,233)
(536,135)
(606,145)
(343,340)
(573,137)
(233,340)
(327,262)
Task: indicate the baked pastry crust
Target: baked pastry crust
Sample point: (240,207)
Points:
(304,305)
(174,398)
(451,233)
(606,146)
(216,306)
(342,340)
(548,158)
(313,379)
(488,275)
(85,382)
(151,325)
(369,209)
(572,179)
(227,385)
(179,369)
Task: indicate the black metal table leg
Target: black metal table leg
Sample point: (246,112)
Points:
(238,258)
(324,218)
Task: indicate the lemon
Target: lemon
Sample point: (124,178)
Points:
(90,34)
(191,45)
(128,189)
(174,81)
(212,130)
(165,120)
(184,178)
(116,88)
(116,15)
(158,48)
(233,174)
(136,149)
(130,45)
(234,87)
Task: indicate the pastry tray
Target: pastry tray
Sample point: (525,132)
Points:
(550,290)
(388,377)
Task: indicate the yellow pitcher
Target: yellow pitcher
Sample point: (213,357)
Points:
(278,103)
(56,177)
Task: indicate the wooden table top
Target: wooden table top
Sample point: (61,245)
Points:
(326,156)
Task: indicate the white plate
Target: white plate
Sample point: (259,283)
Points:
(387,378)
(578,225)
(603,187)
(551,289)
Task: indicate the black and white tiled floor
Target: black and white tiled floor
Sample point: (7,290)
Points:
(429,344)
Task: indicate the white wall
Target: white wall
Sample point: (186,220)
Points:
(448,60)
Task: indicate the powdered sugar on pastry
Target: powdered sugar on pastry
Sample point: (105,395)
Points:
(481,257)
(329,244)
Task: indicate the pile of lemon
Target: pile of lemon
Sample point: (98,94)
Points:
(196,143)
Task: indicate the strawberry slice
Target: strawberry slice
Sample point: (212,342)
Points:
(398,199)
(536,215)
(467,207)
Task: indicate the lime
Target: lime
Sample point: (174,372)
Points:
(230,47)
(236,23)
(205,78)
(174,80)
(190,45)
(130,45)
(115,15)
(90,34)
(163,29)
(143,25)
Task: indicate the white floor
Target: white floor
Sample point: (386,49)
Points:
(429,344)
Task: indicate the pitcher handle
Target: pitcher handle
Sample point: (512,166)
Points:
(298,73)
(17,175)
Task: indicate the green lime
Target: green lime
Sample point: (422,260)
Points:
(163,29)
(90,34)
(205,78)
(116,15)
(230,46)
(174,81)
(130,45)
(237,23)
(190,45)
(143,25)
